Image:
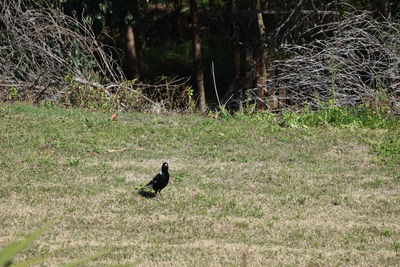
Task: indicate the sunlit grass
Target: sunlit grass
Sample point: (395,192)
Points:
(243,188)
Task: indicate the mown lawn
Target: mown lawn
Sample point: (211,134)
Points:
(242,191)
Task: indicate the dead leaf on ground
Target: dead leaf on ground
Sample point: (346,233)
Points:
(114,117)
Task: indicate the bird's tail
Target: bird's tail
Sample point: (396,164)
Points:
(149,185)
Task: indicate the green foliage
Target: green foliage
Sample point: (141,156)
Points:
(168,94)
(223,113)
(86,96)
(381,103)
(248,112)
(47,104)
(191,103)
(329,115)
(12,93)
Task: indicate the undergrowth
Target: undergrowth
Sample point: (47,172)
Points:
(327,116)
(387,148)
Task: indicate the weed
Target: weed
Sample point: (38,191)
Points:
(223,113)
(73,162)
(120,179)
(89,123)
(387,232)
(46,104)
(396,246)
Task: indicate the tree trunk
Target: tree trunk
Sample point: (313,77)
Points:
(211,3)
(235,85)
(236,53)
(138,18)
(198,59)
(236,39)
(261,59)
(132,59)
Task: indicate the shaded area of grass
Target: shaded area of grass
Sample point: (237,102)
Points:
(243,185)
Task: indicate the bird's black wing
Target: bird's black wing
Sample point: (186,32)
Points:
(155,180)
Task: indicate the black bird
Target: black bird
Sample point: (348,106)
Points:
(160,180)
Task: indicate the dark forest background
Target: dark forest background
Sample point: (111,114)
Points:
(235,40)
(163,32)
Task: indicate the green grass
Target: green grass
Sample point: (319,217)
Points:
(253,189)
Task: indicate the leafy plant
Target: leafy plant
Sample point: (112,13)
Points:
(12,93)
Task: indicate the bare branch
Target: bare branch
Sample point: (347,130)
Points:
(46,55)
(356,63)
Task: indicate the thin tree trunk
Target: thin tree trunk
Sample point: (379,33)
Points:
(236,40)
(261,60)
(132,60)
(211,3)
(235,85)
(236,53)
(137,13)
(198,59)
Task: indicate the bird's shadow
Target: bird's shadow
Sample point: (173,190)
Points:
(146,194)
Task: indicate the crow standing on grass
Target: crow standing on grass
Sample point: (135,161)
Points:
(160,181)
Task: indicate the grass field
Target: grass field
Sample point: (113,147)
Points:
(242,191)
